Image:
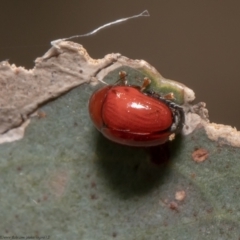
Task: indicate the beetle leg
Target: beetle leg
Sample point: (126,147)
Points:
(176,122)
(146,83)
(169,96)
(122,77)
(178,115)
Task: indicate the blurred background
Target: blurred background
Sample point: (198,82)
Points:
(193,42)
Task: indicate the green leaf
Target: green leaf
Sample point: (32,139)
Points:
(66,181)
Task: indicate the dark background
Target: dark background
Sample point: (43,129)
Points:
(193,42)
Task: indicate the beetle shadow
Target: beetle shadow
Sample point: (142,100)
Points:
(132,171)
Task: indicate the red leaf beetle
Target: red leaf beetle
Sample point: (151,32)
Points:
(127,115)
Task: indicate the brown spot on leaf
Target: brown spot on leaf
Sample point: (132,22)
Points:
(200,155)
(19,169)
(193,175)
(93,196)
(209,210)
(45,198)
(173,206)
(41,114)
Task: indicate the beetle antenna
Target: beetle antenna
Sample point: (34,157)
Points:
(143,14)
(122,78)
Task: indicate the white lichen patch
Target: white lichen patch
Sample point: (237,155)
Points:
(223,133)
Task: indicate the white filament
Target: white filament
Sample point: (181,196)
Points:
(143,14)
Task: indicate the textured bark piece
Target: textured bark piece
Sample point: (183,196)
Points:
(58,71)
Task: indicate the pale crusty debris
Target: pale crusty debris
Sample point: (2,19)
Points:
(15,133)
(180,195)
(58,71)
(223,134)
